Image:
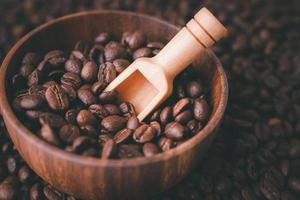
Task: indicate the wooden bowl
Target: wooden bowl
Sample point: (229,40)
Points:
(90,178)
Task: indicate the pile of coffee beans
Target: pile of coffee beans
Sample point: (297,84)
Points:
(60,96)
(254,156)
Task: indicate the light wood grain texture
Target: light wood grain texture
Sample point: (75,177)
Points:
(148,82)
(90,178)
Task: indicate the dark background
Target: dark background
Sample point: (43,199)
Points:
(257,152)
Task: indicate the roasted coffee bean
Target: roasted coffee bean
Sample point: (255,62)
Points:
(108,96)
(68,133)
(12,164)
(127,109)
(53,120)
(175,131)
(24,174)
(33,114)
(156,126)
(31,58)
(69,91)
(52,194)
(47,133)
(269,191)
(86,96)
(73,66)
(123,135)
(57,61)
(55,57)
(166,115)
(57,98)
(107,72)
(34,78)
(31,102)
(81,47)
(89,71)
(150,149)
(96,54)
(194,89)
(294,184)
(134,40)
(81,143)
(133,123)
(70,116)
(273,175)
(114,50)
(155,52)
(113,123)
(180,106)
(112,109)
(184,117)
(102,38)
(142,52)
(89,130)
(144,133)
(53,54)
(98,110)
(36,192)
(120,65)
(201,109)
(98,87)
(129,151)
(109,149)
(165,144)
(71,79)
(26,70)
(155,45)
(156,115)
(37,90)
(6,148)
(9,188)
(86,117)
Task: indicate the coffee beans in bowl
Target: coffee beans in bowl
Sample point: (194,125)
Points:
(60,97)
(79,174)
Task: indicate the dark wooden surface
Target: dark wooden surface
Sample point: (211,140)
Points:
(91,178)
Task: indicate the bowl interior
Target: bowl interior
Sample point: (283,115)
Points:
(65,32)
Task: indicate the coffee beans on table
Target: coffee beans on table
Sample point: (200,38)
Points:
(66,105)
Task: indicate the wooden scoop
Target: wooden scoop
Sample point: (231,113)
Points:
(148,82)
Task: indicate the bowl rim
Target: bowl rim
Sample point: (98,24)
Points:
(20,129)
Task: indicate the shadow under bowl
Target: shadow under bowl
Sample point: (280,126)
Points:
(91,178)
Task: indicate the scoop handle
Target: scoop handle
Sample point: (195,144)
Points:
(187,45)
